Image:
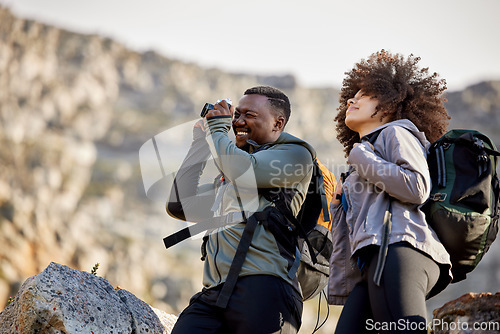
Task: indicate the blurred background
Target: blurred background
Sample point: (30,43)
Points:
(84,85)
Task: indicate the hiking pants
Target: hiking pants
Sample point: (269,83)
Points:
(398,304)
(259,304)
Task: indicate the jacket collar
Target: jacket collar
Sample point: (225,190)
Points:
(405,123)
(284,138)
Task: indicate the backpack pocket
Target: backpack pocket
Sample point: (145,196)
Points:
(464,236)
(471,180)
(313,277)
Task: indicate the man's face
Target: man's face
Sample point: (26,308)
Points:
(255,119)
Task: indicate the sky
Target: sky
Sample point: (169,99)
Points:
(314,40)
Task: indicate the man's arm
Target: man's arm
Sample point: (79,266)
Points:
(188,200)
(282,165)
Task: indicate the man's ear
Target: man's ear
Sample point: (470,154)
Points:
(279,124)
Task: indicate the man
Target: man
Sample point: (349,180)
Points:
(262,295)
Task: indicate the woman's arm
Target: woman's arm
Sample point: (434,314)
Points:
(400,169)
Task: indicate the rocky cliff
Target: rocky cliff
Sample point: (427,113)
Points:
(75,110)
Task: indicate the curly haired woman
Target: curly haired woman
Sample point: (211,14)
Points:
(389,111)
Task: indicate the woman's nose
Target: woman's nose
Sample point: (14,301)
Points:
(350,101)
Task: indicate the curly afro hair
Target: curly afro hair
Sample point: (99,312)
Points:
(404,91)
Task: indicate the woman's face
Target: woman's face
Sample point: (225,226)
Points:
(359,116)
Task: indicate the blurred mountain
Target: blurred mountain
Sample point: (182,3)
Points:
(75,111)
(477,107)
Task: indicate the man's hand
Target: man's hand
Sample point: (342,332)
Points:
(201,124)
(199,129)
(221,109)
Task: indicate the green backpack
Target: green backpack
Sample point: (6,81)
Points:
(463,207)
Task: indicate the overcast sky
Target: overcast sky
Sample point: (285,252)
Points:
(315,40)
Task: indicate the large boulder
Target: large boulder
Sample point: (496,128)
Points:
(65,300)
(471,313)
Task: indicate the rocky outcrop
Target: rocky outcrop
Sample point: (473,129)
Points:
(471,313)
(64,300)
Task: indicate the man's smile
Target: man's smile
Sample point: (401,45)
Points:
(240,133)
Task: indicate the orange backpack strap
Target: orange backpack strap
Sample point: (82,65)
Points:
(330,183)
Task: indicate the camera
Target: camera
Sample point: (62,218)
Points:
(209,106)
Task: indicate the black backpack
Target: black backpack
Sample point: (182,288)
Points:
(463,207)
(312,227)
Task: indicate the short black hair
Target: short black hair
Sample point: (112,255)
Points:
(278,100)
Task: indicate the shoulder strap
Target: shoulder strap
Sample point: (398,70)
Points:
(280,203)
(239,258)
(321,188)
(473,142)
(467,139)
(208,224)
(211,223)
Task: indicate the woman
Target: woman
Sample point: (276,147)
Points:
(389,109)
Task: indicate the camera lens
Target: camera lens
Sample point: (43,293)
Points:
(206,108)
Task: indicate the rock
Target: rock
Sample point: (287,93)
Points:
(65,300)
(471,313)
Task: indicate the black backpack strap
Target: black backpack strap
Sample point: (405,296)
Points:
(239,258)
(203,248)
(470,140)
(208,224)
(441,167)
(187,232)
(279,202)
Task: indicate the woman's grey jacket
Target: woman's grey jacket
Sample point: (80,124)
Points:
(395,165)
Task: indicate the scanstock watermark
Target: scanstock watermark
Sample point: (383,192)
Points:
(435,324)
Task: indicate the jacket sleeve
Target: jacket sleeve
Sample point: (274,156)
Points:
(188,200)
(395,164)
(282,165)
